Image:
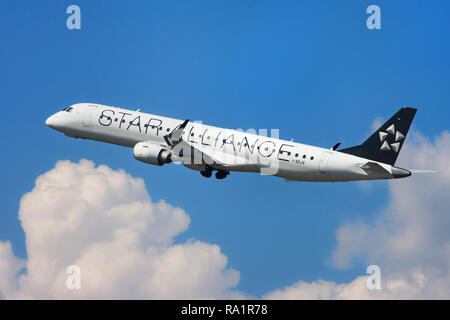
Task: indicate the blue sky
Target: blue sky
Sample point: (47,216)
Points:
(310,69)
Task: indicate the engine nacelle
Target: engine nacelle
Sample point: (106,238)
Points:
(151,153)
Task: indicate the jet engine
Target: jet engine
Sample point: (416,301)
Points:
(151,153)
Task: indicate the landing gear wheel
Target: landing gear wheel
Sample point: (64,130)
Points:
(221,174)
(207,173)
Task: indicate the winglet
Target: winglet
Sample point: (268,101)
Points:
(175,136)
(337,145)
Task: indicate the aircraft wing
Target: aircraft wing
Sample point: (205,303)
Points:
(196,153)
(182,149)
(213,156)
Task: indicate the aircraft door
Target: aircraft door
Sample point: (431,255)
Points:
(323,162)
(86,118)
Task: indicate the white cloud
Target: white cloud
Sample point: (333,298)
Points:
(413,230)
(402,286)
(377,123)
(105,222)
(10,266)
(410,241)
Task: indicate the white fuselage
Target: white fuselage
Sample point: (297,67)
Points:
(286,159)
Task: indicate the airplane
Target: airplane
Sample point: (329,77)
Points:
(159,140)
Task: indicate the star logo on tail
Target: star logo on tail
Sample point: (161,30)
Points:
(391,132)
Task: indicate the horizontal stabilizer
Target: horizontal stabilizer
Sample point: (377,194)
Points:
(373,166)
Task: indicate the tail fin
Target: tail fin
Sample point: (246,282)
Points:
(386,143)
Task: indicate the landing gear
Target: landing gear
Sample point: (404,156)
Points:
(207,173)
(221,174)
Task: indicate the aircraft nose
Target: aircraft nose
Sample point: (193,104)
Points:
(50,122)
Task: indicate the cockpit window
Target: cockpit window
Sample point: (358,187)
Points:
(69,109)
